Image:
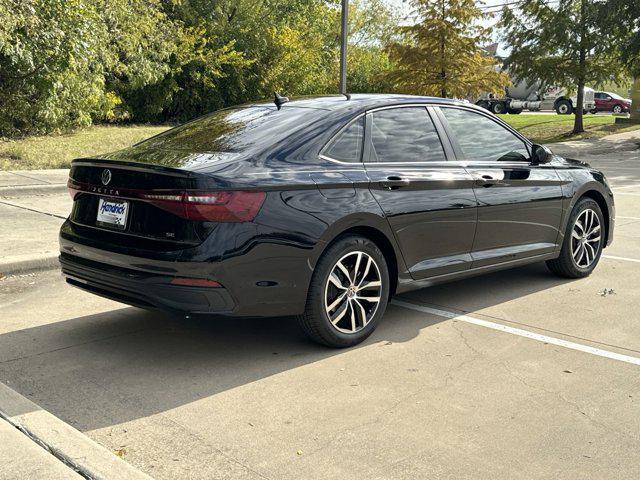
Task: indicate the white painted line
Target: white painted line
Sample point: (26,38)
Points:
(520,332)
(628,218)
(613,257)
(624,186)
(627,193)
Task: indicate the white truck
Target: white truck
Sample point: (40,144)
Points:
(528,96)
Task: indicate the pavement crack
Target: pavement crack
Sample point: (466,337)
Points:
(576,407)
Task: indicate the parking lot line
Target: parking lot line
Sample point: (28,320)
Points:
(627,218)
(520,332)
(626,259)
(618,187)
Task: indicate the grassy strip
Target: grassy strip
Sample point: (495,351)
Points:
(57,151)
(557,128)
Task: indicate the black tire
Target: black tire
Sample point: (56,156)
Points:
(617,109)
(315,320)
(499,108)
(565,265)
(564,107)
(483,104)
(516,111)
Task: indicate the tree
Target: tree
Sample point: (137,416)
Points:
(628,45)
(442,54)
(569,44)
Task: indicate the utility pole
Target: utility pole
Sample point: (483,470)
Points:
(343,47)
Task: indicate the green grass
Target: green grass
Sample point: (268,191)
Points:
(57,151)
(558,128)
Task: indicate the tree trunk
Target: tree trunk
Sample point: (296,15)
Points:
(578,125)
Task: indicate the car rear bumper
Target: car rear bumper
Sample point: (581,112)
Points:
(269,279)
(143,290)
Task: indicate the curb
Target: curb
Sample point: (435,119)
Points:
(36,189)
(72,447)
(28,263)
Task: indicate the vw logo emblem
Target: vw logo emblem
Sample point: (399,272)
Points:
(106,176)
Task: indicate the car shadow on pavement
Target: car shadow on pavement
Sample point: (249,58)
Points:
(106,369)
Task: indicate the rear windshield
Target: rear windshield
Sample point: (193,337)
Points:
(235,130)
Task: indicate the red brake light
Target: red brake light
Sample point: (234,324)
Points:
(227,206)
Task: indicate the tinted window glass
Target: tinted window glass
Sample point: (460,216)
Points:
(347,145)
(236,130)
(480,138)
(404,135)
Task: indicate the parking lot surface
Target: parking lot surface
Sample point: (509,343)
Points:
(426,396)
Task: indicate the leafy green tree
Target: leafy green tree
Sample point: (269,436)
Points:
(569,44)
(441,54)
(50,72)
(372,25)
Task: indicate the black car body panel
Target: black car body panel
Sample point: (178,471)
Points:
(433,220)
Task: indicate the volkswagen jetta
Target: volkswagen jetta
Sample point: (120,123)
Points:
(324,208)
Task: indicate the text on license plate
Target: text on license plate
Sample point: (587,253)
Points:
(112,213)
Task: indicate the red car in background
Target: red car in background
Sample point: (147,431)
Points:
(611,102)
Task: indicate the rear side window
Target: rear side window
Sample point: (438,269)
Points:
(346,146)
(480,138)
(404,135)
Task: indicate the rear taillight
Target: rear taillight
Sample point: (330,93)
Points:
(73,189)
(229,206)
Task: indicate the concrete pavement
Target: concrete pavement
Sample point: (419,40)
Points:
(426,396)
(22,458)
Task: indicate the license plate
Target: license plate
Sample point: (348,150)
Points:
(112,213)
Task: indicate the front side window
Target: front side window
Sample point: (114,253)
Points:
(480,138)
(404,135)
(346,146)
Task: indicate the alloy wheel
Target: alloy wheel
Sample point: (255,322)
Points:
(585,238)
(352,292)
(617,109)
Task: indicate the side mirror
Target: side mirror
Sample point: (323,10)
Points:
(540,154)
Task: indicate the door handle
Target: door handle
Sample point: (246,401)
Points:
(485,179)
(394,182)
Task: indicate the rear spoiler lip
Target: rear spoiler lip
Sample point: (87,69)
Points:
(137,166)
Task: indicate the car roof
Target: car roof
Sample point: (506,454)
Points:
(360,101)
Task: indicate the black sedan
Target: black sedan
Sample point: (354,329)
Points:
(324,208)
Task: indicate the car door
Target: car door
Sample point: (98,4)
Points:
(519,202)
(428,200)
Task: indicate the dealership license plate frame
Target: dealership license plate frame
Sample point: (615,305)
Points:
(113,220)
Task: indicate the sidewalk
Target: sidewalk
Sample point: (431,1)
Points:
(22,458)
(38,445)
(33,205)
(625,144)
